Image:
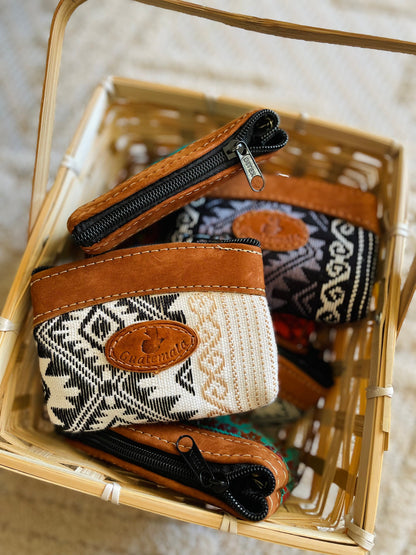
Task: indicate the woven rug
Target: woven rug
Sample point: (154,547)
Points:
(363,89)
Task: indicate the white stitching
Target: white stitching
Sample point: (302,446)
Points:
(150,251)
(232,440)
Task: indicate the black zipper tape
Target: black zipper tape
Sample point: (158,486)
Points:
(243,487)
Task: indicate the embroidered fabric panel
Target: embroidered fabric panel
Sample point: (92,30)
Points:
(225,374)
(328,279)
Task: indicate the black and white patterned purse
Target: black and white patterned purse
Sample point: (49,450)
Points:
(155,334)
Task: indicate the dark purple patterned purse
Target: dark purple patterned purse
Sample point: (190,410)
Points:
(318,253)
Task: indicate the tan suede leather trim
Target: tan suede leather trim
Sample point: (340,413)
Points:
(155,269)
(214,446)
(151,346)
(275,231)
(297,387)
(273,500)
(340,201)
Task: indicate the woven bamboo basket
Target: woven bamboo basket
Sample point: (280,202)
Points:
(342,441)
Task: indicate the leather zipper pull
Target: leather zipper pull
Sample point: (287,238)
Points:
(216,482)
(253,173)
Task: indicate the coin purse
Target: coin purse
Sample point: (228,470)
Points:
(222,461)
(319,241)
(155,333)
(172,182)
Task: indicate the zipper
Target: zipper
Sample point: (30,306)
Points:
(248,163)
(243,487)
(224,238)
(260,134)
(217,482)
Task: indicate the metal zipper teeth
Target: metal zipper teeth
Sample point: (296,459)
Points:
(170,466)
(94,229)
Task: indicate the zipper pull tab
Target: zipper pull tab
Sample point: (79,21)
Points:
(253,173)
(217,483)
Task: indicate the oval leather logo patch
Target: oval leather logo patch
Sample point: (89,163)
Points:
(275,231)
(151,346)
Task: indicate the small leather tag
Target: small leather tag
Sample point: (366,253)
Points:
(151,346)
(275,231)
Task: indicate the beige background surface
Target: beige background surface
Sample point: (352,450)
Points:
(369,90)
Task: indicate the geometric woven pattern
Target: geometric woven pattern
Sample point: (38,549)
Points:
(230,370)
(328,279)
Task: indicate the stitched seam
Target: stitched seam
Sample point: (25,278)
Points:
(234,366)
(368,223)
(256,385)
(160,366)
(117,295)
(113,238)
(271,341)
(150,251)
(166,165)
(234,440)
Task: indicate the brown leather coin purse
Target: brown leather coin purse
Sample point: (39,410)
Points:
(171,183)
